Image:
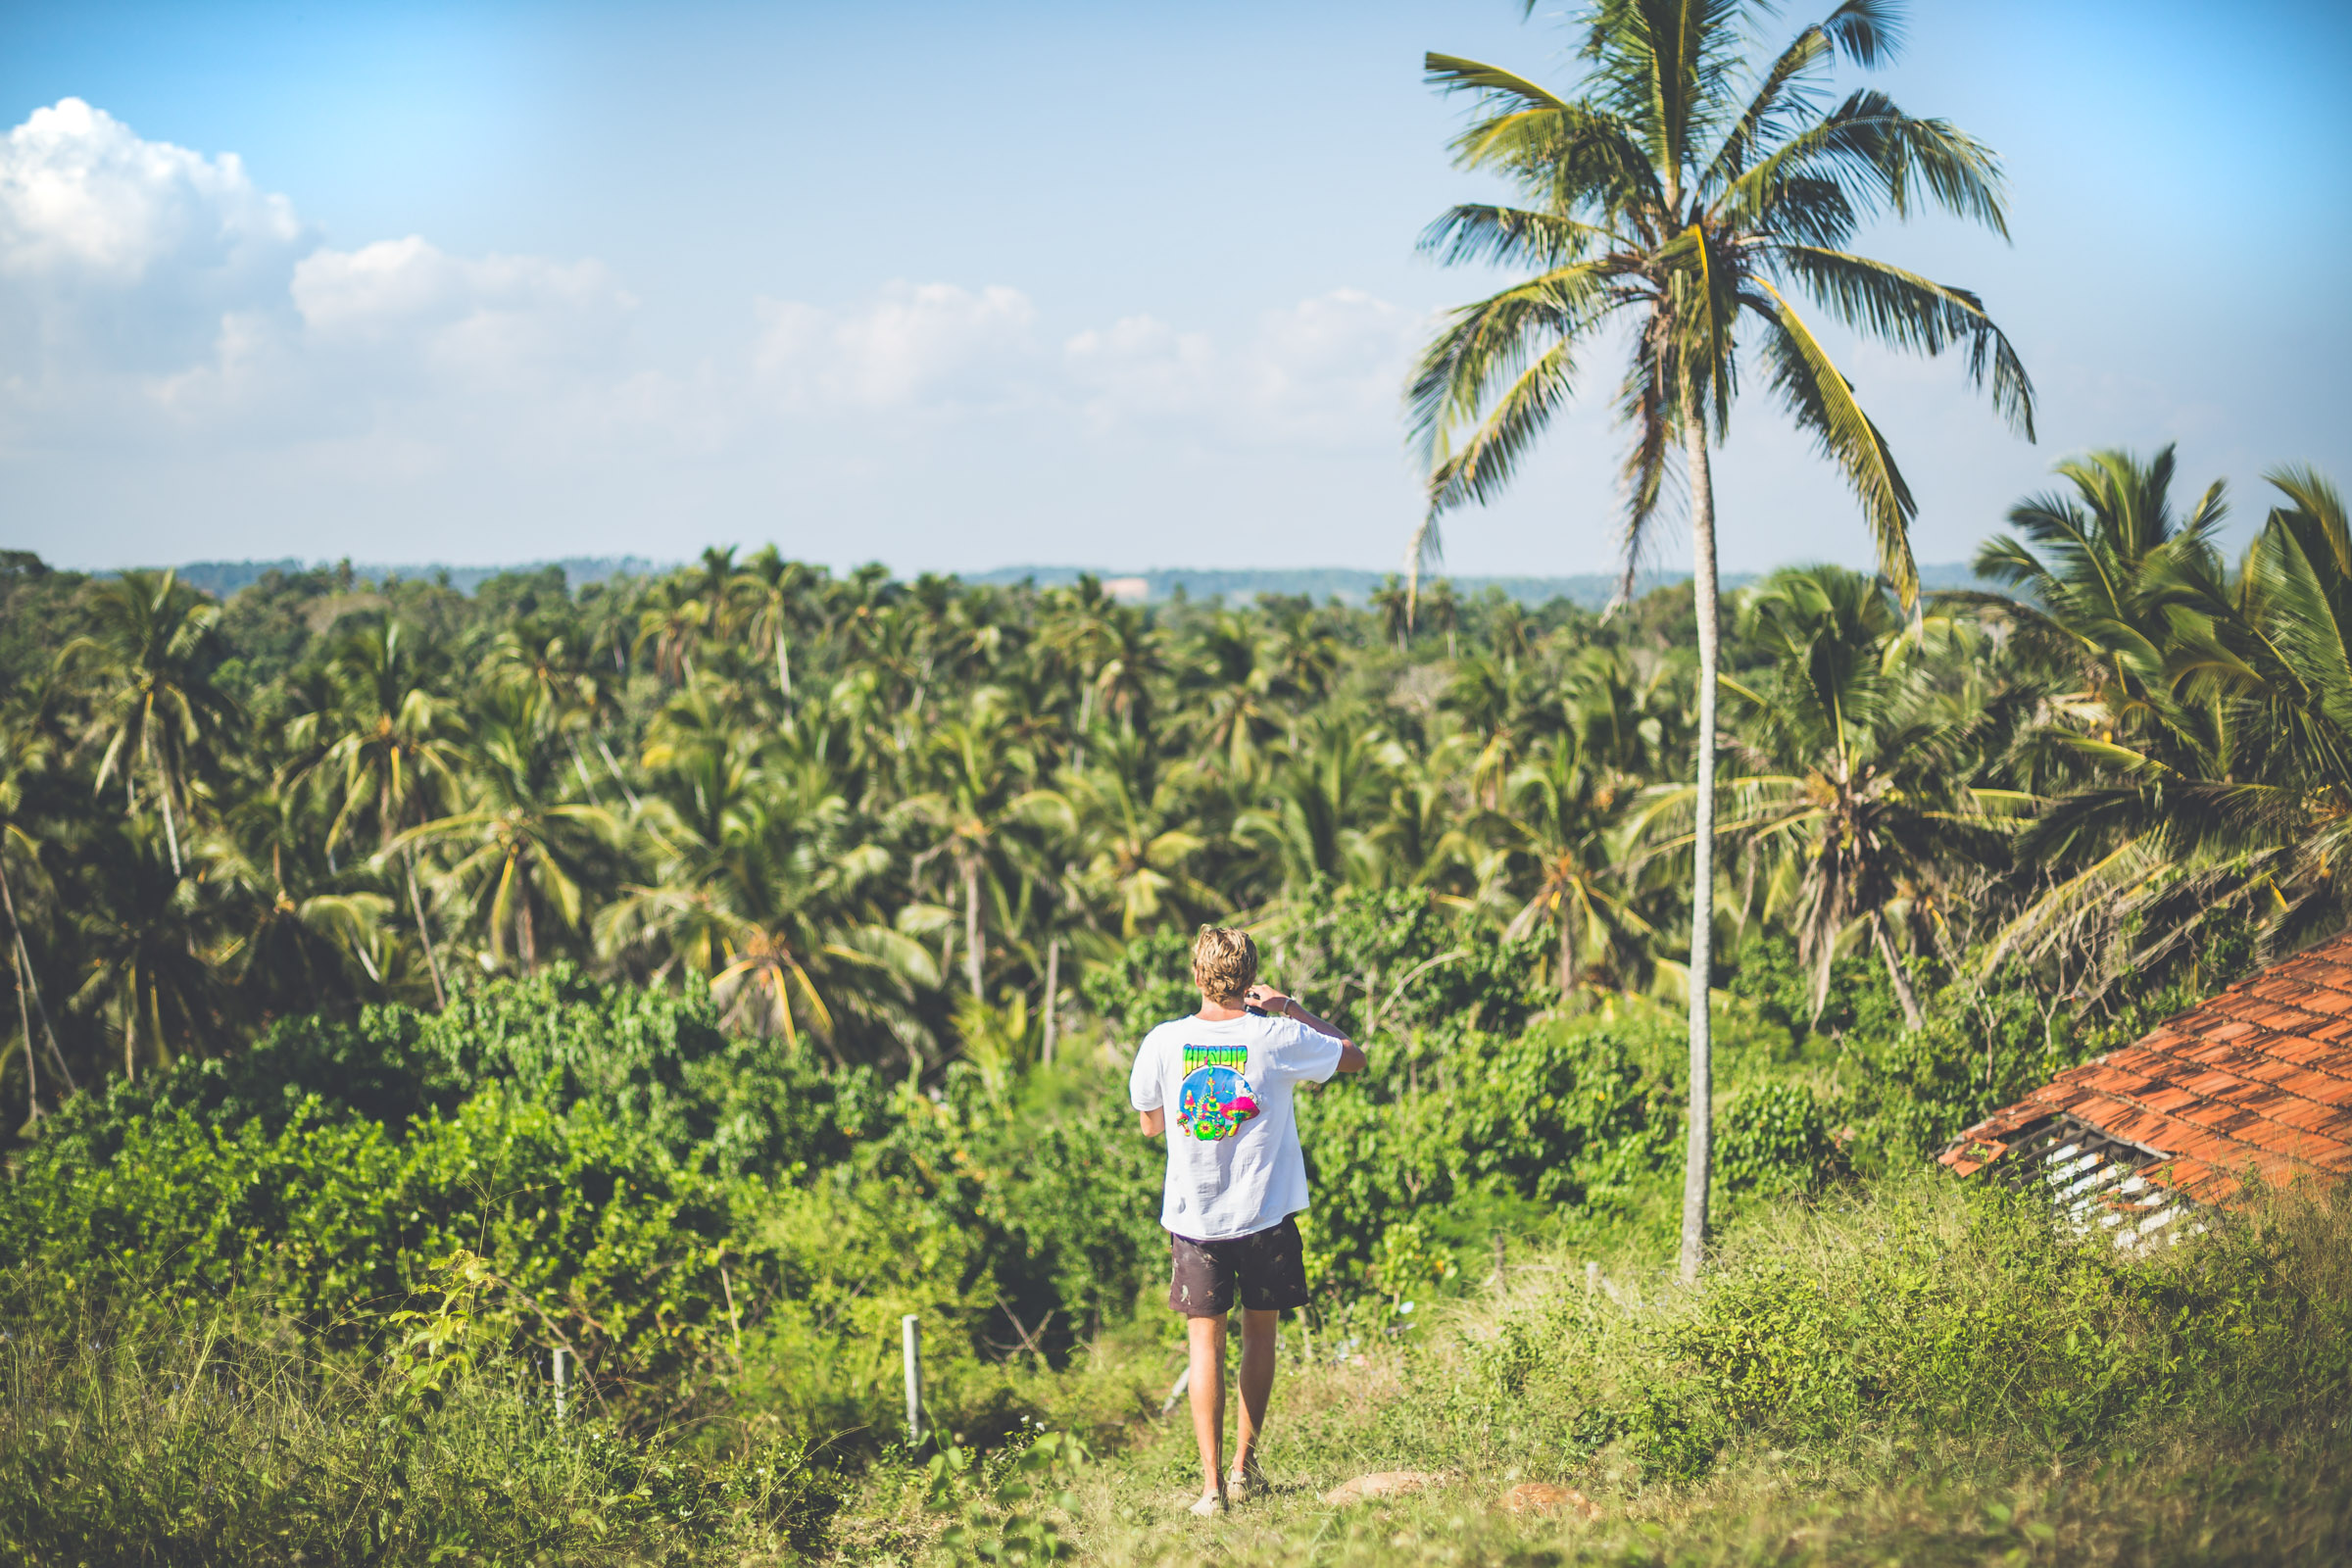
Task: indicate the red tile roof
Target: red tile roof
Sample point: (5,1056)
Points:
(2257,1079)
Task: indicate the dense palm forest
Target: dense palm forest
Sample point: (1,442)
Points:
(903,820)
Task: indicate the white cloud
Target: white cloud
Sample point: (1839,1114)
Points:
(494,315)
(83,199)
(1325,371)
(1142,367)
(172,331)
(141,282)
(119,252)
(914,345)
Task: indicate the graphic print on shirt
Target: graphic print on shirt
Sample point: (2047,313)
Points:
(1214,1098)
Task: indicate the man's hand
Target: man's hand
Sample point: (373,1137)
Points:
(1278,1006)
(1269,999)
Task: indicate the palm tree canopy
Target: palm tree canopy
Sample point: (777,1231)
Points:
(1694,196)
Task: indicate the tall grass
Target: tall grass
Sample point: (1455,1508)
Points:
(179,1437)
(1921,1372)
(1917,1371)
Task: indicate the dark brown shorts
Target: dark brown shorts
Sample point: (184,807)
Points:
(1267,1268)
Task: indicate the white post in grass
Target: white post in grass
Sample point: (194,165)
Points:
(911,1335)
(558,1383)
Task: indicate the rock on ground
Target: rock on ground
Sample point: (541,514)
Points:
(1542,1496)
(1383,1483)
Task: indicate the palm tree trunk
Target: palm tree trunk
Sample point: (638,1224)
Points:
(1568,965)
(1699,1154)
(1894,972)
(971,926)
(32,1082)
(527,935)
(579,763)
(425,935)
(16,931)
(1053,997)
(171,828)
(25,962)
(783,667)
(613,766)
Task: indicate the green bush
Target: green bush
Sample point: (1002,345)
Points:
(599,1235)
(1777,1138)
(1929,1305)
(162,1434)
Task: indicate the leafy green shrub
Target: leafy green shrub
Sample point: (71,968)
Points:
(1925,1304)
(598,1237)
(1777,1138)
(1147,983)
(1572,1113)
(1000,1507)
(1388,964)
(647,1056)
(1779,990)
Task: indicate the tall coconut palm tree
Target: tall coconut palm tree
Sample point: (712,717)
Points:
(774,593)
(1126,835)
(759,885)
(24,755)
(1322,803)
(154,704)
(386,752)
(523,849)
(975,778)
(148,947)
(2228,785)
(2100,569)
(1231,684)
(1566,810)
(1858,784)
(292,941)
(1692,199)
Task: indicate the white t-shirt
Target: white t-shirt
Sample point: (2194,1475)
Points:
(1234,1162)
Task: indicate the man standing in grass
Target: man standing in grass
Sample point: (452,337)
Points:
(1236,1177)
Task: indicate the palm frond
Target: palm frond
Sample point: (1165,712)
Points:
(1821,402)
(1911,312)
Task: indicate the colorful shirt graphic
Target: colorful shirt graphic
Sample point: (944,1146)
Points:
(1214,1098)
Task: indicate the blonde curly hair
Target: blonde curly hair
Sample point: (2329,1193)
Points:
(1224,962)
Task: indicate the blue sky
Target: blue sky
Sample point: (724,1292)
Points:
(958,288)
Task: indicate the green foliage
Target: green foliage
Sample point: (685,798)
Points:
(591,1230)
(1778,1137)
(164,1435)
(1932,1306)
(1144,985)
(1771,980)
(1001,1507)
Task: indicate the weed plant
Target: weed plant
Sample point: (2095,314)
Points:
(1918,1371)
(153,1436)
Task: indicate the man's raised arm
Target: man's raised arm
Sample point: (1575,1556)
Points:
(1351,1057)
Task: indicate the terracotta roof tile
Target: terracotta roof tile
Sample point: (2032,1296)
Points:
(2255,1081)
(2272,1070)
(2312,1115)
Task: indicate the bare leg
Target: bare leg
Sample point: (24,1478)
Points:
(1256,1386)
(1207,1388)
